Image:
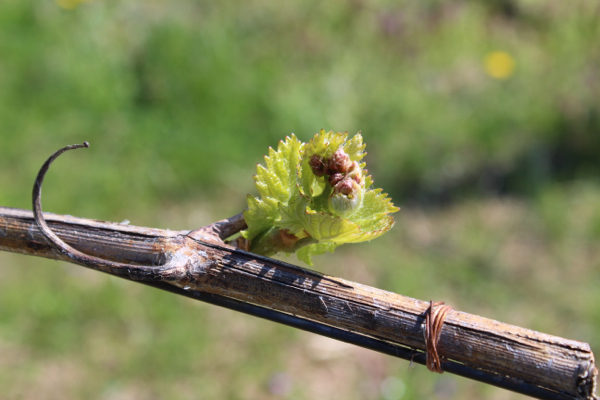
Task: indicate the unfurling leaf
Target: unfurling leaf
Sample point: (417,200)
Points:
(314,197)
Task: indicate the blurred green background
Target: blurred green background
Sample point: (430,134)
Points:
(482,121)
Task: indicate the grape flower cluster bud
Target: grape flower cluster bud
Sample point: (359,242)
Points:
(345,178)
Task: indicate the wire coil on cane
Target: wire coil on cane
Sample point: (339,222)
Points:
(434,321)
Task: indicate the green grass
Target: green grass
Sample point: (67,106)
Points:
(497,178)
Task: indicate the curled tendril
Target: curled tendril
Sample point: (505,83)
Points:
(130,271)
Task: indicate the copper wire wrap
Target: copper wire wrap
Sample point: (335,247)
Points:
(434,321)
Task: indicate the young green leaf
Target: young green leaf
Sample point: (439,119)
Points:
(276,184)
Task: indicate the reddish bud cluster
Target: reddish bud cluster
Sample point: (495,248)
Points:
(345,187)
(344,174)
(340,162)
(317,165)
(335,178)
